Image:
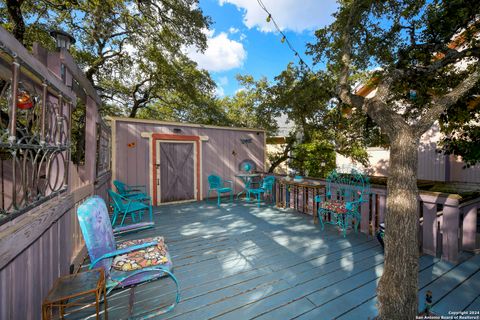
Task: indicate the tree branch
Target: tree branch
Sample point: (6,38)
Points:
(450,57)
(439,105)
(16,17)
(343,88)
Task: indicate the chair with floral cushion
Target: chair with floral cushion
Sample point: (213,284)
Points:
(128,263)
(344,194)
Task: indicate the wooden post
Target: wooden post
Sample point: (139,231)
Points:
(450,229)
(373,225)
(44,111)
(364,222)
(13,105)
(469,237)
(429,232)
(382,207)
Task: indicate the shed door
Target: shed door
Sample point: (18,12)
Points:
(176,176)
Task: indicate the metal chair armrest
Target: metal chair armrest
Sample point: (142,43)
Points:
(139,188)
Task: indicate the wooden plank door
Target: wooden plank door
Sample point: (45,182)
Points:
(175,171)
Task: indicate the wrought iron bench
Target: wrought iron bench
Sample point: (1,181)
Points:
(344,194)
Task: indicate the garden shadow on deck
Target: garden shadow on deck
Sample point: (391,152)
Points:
(240,262)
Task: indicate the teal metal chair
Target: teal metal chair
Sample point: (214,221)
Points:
(215,183)
(266,188)
(126,206)
(345,193)
(105,253)
(132,192)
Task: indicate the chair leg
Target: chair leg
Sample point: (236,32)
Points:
(231,196)
(114,217)
(258,199)
(320,217)
(208,195)
(123,219)
(150,212)
(218,199)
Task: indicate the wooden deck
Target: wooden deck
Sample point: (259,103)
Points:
(244,262)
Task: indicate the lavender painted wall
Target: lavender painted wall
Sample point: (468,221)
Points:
(221,154)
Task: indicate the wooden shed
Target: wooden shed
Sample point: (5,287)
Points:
(174,159)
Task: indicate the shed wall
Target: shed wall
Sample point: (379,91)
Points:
(221,154)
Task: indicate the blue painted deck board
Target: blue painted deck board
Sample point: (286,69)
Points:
(460,297)
(442,286)
(288,311)
(242,262)
(475,305)
(430,269)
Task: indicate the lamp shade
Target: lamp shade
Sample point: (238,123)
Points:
(62,39)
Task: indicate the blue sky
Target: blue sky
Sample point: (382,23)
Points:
(241,41)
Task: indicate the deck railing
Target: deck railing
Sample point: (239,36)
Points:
(447,226)
(34,132)
(41,188)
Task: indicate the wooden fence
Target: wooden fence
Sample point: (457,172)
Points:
(41,187)
(448,226)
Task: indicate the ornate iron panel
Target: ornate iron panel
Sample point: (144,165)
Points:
(34,139)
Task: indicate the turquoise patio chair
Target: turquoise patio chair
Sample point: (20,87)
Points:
(344,196)
(266,188)
(132,192)
(128,263)
(215,183)
(126,206)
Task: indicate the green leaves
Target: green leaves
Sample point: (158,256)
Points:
(130,50)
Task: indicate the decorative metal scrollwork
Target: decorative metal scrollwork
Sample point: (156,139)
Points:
(34,145)
(103,148)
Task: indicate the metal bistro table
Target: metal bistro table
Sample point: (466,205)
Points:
(247,181)
(299,195)
(73,292)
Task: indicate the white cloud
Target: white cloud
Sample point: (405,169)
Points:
(233,30)
(219,91)
(293,15)
(241,89)
(222,53)
(223,81)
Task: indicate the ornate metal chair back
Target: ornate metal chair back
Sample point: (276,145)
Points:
(352,186)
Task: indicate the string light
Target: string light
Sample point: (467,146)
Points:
(284,38)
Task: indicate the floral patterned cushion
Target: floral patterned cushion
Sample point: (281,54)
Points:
(143,258)
(334,206)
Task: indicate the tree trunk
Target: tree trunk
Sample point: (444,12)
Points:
(16,17)
(277,162)
(397,290)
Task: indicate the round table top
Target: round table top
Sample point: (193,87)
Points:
(247,175)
